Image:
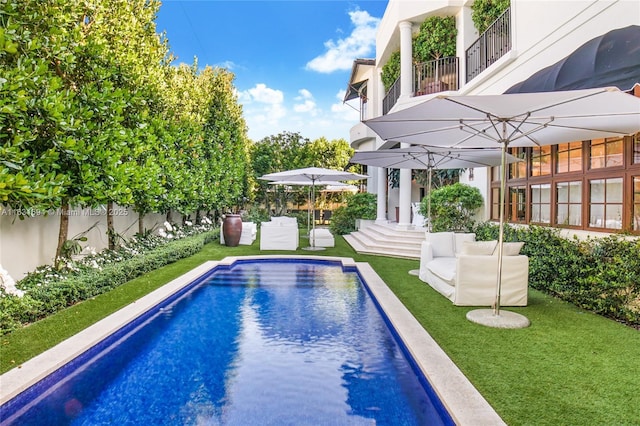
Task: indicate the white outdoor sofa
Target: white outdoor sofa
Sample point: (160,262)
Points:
(321,237)
(248,236)
(465,271)
(281,233)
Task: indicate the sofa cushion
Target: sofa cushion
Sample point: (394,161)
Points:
(479,248)
(442,243)
(444,268)
(511,249)
(460,238)
(283,220)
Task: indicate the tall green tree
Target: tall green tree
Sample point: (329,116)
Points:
(226,143)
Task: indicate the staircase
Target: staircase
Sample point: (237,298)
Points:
(387,240)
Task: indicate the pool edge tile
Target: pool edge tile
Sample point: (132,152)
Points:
(463,401)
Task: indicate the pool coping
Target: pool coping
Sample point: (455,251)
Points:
(463,401)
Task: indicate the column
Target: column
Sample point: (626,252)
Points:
(381,191)
(406,60)
(381,182)
(406,91)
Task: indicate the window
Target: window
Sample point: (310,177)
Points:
(541,161)
(636,149)
(605,203)
(518,170)
(541,203)
(569,157)
(569,203)
(636,203)
(517,204)
(495,203)
(606,153)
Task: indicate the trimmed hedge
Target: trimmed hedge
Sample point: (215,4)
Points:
(43,300)
(601,275)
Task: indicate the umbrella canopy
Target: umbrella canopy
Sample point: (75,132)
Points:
(340,187)
(612,59)
(422,157)
(521,120)
(312,176)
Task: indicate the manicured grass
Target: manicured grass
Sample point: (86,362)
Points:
(569,367)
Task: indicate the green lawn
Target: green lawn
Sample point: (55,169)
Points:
(569,367)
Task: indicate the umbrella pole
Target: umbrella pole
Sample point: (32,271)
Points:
(309,214)
(312,237)
(503,185)
(313,216)
(429,202)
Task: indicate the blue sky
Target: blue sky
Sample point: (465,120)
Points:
(291,59)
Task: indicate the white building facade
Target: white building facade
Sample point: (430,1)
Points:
(585,186)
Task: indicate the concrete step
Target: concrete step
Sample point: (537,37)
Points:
(387,240)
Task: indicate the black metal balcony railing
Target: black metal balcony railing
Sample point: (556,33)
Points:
(494,43)
(391,97)
(435,76)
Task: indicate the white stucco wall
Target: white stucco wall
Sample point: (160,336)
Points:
(29,243)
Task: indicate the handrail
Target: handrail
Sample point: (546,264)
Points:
(435,76)
(391,97)
(492,44)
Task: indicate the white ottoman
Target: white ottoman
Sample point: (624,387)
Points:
(323,238)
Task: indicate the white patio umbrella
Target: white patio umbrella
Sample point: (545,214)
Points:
(422,157)
(512,120)
(313,175)
(328,185)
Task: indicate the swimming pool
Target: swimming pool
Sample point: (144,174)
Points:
(287,348)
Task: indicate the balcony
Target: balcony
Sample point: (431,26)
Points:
(428,77)
(435,76)
(494,43)
(391,97)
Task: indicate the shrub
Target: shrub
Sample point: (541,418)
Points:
(452,207)
(256,215)
(485,12)
(601,275)
(48,290)
(391,70)
(359,206)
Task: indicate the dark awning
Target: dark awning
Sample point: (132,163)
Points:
(354,90)
(612,59)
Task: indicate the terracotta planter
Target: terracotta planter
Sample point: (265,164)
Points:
(232,229)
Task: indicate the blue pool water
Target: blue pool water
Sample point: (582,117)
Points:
(258,343)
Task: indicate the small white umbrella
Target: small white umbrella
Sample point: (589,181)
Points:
(518,120)
(330,186)
(312,175)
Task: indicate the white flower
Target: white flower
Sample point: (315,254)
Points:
(9,284)
(188,223)
(168,226)
(95,265)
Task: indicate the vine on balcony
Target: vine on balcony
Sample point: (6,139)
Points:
(436,39)
(485,12)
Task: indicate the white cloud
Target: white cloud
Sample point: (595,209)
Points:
(263,94)
(339,55)
(268,112)
(308,104)
(229,65)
